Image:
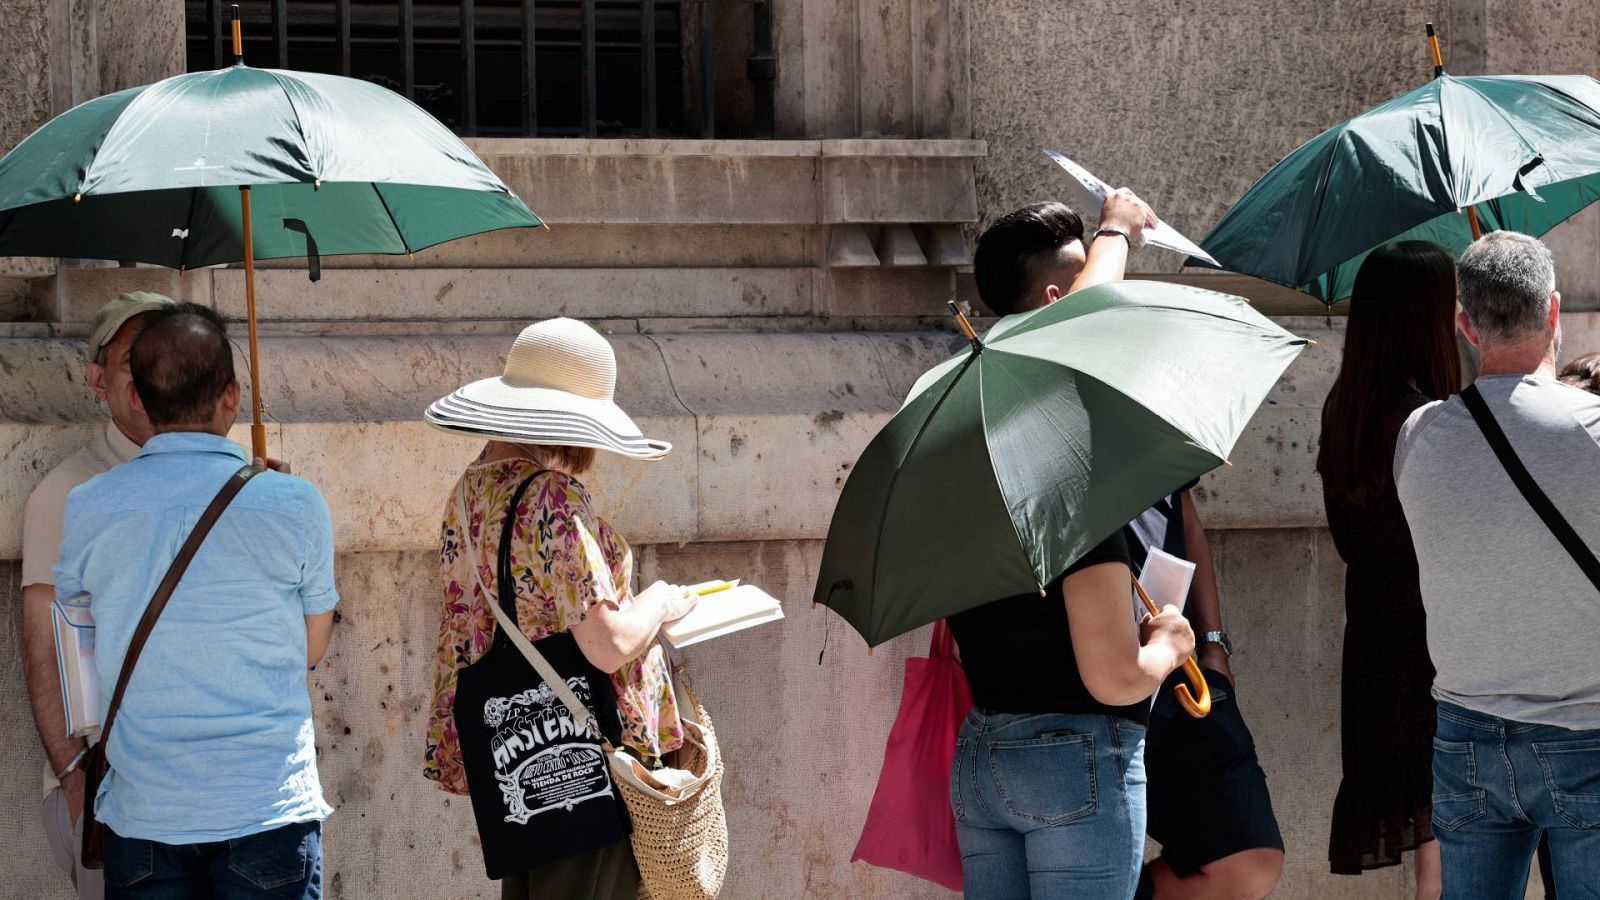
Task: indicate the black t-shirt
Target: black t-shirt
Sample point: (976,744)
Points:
(1018,654)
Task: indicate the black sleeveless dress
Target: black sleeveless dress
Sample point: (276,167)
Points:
(1385,798)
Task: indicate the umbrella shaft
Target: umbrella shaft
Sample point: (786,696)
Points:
(258,428)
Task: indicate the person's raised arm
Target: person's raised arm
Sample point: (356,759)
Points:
(1107,261)
(1121,663)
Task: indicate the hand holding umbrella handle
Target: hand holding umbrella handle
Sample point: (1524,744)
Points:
(1199,708)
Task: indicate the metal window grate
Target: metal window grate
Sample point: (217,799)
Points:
(523,68)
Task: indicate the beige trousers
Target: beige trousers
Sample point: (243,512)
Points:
(65,840)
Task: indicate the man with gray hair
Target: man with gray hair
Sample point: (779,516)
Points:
(1497,485)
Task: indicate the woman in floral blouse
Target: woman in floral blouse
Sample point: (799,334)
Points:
(572,571)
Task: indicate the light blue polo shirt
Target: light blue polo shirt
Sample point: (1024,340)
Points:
(214,739)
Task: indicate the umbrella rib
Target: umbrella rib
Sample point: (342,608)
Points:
(999,486)
(894,475)
(188,229)
(1499,113)
(299,126)
(1322,197)
(390,213)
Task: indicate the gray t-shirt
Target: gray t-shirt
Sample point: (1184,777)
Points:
(1511,617)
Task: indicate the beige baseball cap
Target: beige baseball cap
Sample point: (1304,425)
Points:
(111,317)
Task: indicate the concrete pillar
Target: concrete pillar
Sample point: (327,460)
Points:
(140,41)
(874,68)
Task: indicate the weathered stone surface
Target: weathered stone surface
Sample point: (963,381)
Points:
(1202,119)
(24,70)
(880,189)
(139,42)
(738,182)
(398,294)
(81,291)
(601,246)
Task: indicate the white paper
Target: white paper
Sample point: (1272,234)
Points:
(1090,192)
(80,680)
(1166,578)
(723,613)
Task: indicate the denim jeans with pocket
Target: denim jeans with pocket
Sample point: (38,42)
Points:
(1049,805)
(1497,786)
(282,864)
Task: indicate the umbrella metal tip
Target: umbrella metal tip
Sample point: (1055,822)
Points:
(77,197)
(316,185)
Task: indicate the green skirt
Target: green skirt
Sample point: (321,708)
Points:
(609,874)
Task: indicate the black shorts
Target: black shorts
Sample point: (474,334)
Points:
(1207,794)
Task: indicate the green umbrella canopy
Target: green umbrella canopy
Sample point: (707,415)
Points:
(1009,462)
(1524,151)
(151,174)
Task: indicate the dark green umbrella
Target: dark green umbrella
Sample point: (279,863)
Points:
(241,164)
(1520,153)
(1011,460)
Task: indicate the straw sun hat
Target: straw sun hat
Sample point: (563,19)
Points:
(558,388)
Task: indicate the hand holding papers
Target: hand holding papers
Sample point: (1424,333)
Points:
(1090,192)
(725,607)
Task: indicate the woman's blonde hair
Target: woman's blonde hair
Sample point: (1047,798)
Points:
(574,460)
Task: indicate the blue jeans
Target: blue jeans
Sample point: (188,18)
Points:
(283,864)
(1499,784)
(1049,805)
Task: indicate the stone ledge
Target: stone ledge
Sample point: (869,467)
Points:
(425,297)
(740,182)
(966,149)
(765,428)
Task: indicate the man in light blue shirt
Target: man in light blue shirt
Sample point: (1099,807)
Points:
(213,780)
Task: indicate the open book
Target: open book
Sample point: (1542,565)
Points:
(724,608)
(80,680)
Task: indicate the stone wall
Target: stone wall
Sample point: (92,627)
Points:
(1190,103)
(770,303)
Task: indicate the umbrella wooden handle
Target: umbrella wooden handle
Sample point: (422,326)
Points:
(1433,49)
(1198,707)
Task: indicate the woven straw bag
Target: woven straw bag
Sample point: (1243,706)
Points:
(680,834)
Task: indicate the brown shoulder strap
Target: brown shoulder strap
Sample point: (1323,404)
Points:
(170,583)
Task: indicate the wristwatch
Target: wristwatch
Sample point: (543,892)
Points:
(1218,637)
(1120,232)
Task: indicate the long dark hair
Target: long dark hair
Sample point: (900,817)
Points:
(1401,332)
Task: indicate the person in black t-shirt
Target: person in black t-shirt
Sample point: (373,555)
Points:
(1209,805)
(1048,782)
(1208,802)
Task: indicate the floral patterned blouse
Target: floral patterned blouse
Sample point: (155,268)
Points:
(565,559)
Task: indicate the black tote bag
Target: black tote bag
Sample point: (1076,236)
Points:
(540,783)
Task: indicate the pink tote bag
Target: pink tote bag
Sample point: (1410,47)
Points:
(910,827)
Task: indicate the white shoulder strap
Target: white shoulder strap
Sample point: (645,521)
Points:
(580,713)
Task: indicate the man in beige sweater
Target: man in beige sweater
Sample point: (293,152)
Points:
(115,328)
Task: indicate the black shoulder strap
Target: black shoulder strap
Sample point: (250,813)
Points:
(169,583)
(505,581)
(1535,495)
